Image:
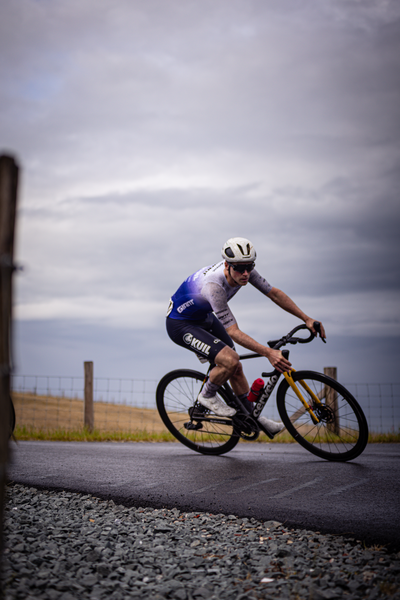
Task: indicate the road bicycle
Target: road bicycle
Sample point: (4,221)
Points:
(316,410)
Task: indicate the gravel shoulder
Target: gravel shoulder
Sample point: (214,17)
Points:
(64,546)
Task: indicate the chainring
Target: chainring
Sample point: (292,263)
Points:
(245,426)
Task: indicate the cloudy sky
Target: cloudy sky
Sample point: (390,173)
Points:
(150,132)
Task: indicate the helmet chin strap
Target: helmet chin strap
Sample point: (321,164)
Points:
(232,280)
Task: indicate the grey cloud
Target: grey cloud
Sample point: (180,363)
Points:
(343,235)
(151,132)
(168,83)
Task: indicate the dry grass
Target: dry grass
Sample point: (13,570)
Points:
(83,435)
(60,418)
(56,413)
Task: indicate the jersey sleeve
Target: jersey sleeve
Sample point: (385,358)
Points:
(217,298)
(260,283)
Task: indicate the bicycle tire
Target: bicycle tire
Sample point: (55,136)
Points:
(341,434)
(176,394)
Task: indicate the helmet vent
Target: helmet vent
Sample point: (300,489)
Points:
(229,252)
(242,251)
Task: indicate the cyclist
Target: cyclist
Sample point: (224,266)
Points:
(200,320)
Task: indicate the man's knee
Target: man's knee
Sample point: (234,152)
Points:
(238,372)
(229,359)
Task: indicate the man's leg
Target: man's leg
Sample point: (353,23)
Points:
(201,339)
(228,365)
(241,388)
(211,340)
(225,363)
(239,382)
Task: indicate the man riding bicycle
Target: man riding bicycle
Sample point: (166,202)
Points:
(200,320)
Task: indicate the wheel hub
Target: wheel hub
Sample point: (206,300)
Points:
(324,413)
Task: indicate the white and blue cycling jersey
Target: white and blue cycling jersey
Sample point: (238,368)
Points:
(208,291)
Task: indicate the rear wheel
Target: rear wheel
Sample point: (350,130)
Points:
(342,431)
(194,426)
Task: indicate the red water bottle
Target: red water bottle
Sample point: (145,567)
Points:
(255,390)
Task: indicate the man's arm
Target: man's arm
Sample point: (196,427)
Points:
(275,357)
(286,303)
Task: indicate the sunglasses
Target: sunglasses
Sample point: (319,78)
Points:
(241,268)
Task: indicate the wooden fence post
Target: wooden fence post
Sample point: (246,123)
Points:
(331,400)
(8,201)
(89,415)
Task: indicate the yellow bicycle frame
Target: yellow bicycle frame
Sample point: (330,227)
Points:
(289,379)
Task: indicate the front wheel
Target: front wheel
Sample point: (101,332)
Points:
(195,427)
(342,431)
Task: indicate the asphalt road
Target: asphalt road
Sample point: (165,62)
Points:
(266,481)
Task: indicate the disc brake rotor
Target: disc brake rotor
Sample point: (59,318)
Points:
(324,413)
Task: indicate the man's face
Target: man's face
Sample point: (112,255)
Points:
(241,276)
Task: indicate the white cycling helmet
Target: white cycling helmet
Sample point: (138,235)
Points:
(237,250)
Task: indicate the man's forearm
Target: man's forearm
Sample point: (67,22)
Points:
(275,357)
(287,304)
(244,340)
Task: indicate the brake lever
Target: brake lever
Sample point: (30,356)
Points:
(317,327)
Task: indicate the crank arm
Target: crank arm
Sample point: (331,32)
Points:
(219,420)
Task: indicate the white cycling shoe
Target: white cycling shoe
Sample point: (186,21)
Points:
(217,405)
(273,427)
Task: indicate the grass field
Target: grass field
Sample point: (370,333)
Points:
(60,418)
(53,413)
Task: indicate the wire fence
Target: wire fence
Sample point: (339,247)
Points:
(45,402)
(48,403)
(380,403)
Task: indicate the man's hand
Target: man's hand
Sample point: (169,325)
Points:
(278,361)
(310,324)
